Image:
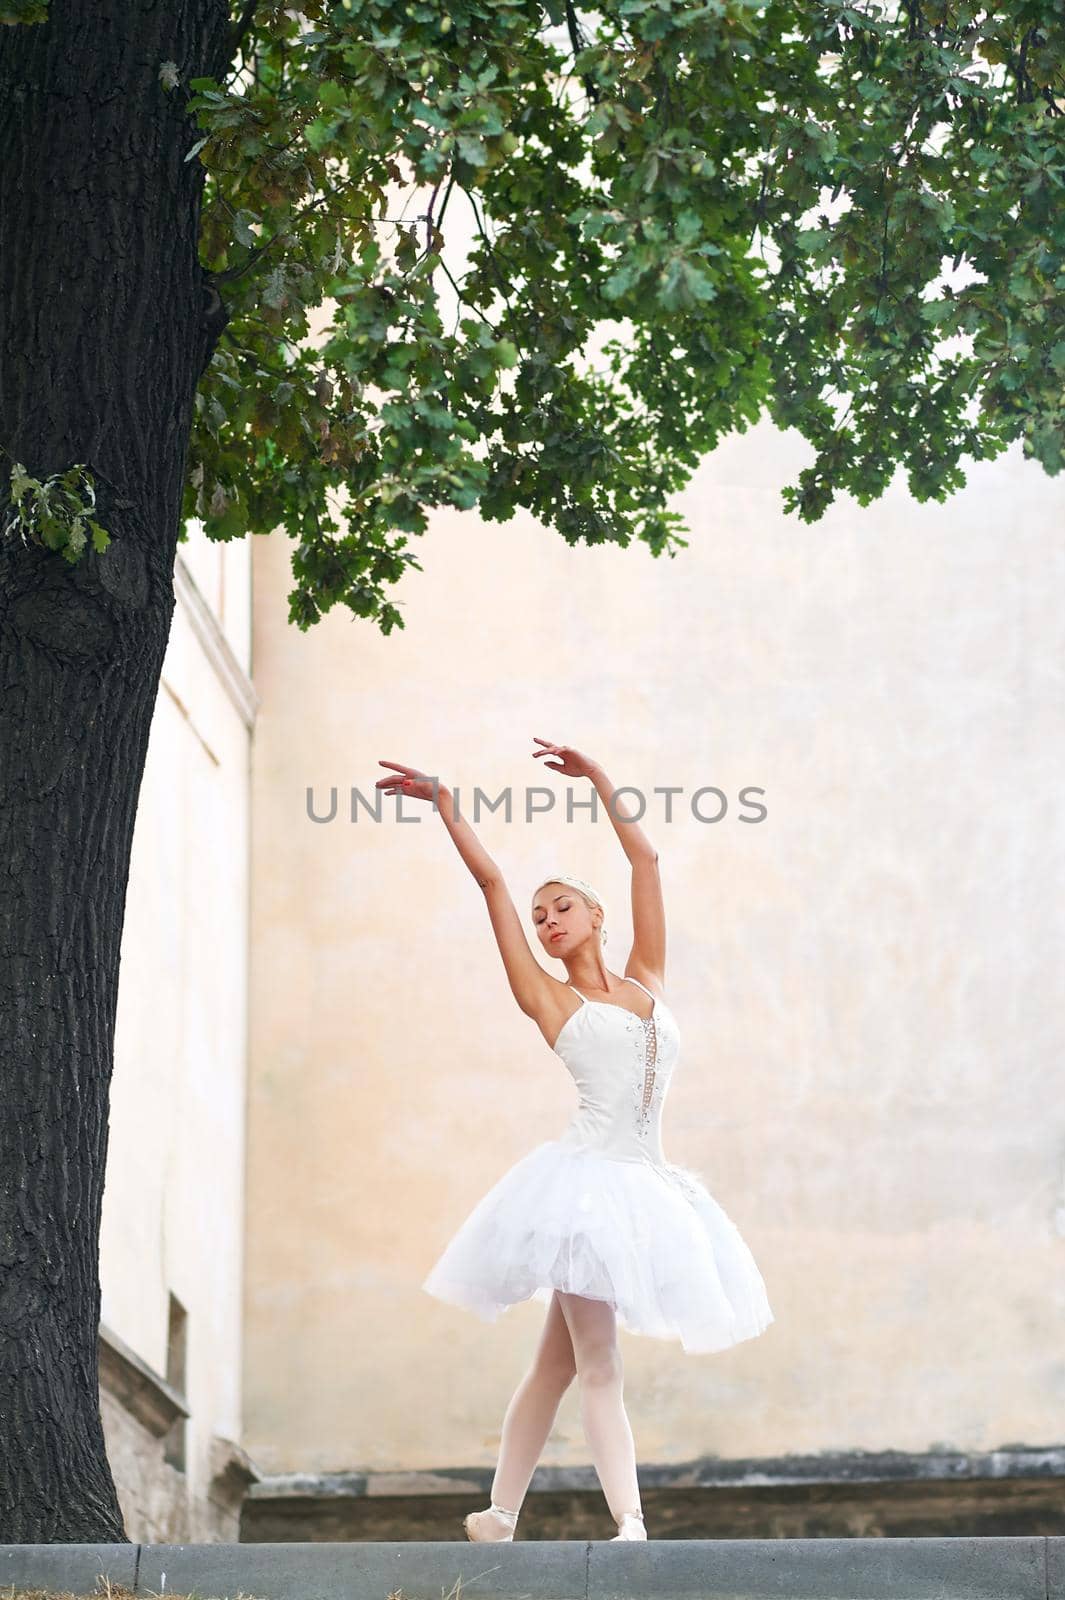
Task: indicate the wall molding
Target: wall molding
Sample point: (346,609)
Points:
(137,1386)
(217,648)
(918,1497)
(827,1467)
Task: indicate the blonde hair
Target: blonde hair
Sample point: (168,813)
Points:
(585,890)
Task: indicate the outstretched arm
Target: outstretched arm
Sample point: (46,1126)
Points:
(531,986)
(648,956)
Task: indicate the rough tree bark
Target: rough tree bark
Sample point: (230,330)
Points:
(107,320)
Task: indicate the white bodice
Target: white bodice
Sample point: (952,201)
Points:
(622,1065)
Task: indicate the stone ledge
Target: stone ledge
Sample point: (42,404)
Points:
(1008,1492)
(687,1569)
(146,1396)
(230,1471)
(829,1467)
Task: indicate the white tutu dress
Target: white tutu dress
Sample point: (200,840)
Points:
(600,1212)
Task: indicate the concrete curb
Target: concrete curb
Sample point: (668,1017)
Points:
(1025,1568)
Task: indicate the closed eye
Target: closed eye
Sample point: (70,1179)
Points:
(541,920)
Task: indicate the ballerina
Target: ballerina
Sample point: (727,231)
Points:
(596,1224)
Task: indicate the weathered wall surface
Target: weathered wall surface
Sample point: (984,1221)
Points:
(173,1210)
(870,1057)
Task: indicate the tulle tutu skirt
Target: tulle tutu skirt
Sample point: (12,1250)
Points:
(651,1241)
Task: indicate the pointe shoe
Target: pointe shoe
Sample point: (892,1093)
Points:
(631,1525)
(496,1525)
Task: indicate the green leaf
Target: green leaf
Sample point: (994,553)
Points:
(242,228)
(332,94)
(676,194)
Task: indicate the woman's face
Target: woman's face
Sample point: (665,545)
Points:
(562,919)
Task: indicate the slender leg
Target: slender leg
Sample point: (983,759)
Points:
(531,1413)
(527,1424)
(600,1374)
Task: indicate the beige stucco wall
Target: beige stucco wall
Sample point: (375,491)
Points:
(173,1209)
(869,1078)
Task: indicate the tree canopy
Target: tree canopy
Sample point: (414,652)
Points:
(743,206)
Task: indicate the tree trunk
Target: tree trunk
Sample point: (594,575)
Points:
(105,328)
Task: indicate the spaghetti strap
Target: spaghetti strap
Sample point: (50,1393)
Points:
(642,986)
(584,1002)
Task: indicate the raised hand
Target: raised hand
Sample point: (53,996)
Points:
(407,781)
(571,763)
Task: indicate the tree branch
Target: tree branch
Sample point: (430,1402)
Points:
(235,37)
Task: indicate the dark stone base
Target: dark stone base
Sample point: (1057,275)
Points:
(1007,1493)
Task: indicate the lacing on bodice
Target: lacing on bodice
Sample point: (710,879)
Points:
(650,1056)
